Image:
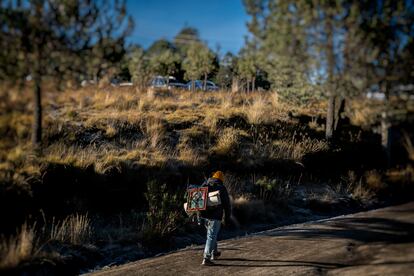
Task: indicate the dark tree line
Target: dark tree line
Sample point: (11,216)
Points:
(338,47)
(300,49)
(55,41)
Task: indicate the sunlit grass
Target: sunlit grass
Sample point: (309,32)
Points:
(111,127)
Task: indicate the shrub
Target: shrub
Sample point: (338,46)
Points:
(163,215)
(273,190)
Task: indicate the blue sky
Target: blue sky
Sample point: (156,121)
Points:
(220,22)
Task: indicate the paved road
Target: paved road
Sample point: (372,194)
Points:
(379,242)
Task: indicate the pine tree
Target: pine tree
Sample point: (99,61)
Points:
(247,67)
(283,51)
(165,64)
(342,46)
(199,63)
(185,37)
(52,39)
(227,71)
(138,66)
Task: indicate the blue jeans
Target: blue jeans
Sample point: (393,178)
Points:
(213,228)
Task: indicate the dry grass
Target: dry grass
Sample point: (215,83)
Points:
(227,141)
(401,176)
(105,127)
(72,155)
(295,149)
(361,192)
(113,128)
(75,229)
(154,131)
(365,113)
(16,249)
(374,181)
(408,145)
(190,156)
(29,241)
(355,187)
(257,112)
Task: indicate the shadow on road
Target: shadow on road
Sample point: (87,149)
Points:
(277,263)
(288,263)
(358,229)
(221,247)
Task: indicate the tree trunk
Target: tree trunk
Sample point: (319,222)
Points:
(235,85)
(339,109)
(386,137)
(253,84)
(205,82)
(330,118)
(37,118)
(192,86)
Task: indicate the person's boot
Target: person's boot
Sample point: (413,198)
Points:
(215,255)
(207,262)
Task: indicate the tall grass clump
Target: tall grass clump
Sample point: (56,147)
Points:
(210,120)
(189,156)
(354,186)
(75,229)
(163,214)
(295,149)
(153,130)
(18,248)
(374,181)
(227,141)
(408,145)
(29,241)
(257,111)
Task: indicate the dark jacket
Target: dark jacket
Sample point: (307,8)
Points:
(216,212)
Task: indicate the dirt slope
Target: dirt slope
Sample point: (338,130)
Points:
(379,242)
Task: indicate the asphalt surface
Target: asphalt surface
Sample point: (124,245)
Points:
(378,242)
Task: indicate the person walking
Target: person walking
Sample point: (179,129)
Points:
(213,216)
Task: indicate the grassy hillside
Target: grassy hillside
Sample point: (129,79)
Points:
(107,152)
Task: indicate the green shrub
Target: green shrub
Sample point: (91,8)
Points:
(272,190)
(163,216)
